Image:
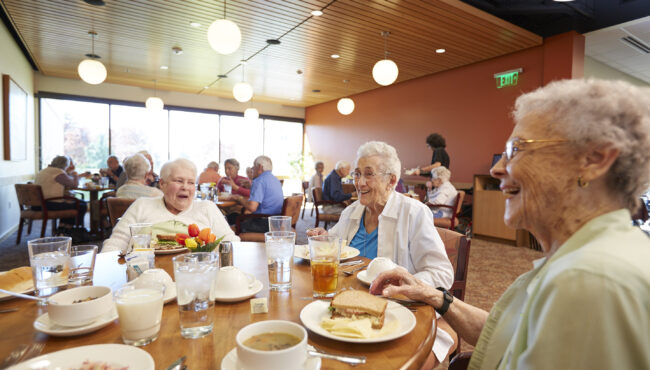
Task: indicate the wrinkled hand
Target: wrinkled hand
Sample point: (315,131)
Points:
(227,180)
(399,281)
(316,231)
(429,185)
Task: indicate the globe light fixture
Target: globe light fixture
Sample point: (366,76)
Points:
(345,106)
(385,71)
(91,70)
(224,36)
(154,102)
(251,114)
(242,92)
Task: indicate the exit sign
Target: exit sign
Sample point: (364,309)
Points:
(507,78)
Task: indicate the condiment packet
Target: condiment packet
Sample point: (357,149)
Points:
(138,261)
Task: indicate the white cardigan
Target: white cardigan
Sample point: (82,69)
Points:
(406,235)
(153,210)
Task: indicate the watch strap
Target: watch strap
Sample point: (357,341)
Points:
(447,299)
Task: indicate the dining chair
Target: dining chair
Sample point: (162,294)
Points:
(116,208)
(321,216)
(306,191)
(290,207)
(31,195)
(104,218)
(451,222)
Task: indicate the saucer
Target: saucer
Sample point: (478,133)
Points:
(362,276)
(170,293)
(255,288)
(44,325)
(231,362)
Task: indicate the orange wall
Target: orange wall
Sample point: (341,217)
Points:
(462,104)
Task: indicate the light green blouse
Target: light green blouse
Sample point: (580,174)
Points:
(587,307)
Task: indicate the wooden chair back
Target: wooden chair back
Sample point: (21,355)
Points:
(117,207)
(452,222)
(291,207)
(29,195)
(457,246)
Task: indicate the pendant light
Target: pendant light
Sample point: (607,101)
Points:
(385,71)
(345,106)
(242,91)
(251,114)
(224,36)
(91,70)
(154,102)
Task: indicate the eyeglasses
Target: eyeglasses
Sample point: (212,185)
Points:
(515,145)
(366,175)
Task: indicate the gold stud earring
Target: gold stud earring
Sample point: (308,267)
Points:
(581,183)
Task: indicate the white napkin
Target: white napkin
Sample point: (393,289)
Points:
(442,344)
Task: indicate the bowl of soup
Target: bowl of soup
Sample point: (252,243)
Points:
(79,306)
(272,345)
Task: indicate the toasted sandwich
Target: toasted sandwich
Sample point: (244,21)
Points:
(166,241)
(357,304)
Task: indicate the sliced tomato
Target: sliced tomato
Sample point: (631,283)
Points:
(180,238)
(193,230)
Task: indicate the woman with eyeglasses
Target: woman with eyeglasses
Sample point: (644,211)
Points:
(385,223)
(573,169)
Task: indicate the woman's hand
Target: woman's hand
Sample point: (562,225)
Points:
(429,185)
(316,231)
(399,281)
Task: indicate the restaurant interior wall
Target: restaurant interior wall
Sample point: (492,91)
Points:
(14,64)
(596,69)
(463,104)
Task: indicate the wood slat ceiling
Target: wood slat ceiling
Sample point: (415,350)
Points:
(135,37)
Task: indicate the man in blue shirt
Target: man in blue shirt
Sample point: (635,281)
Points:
(266,196)
(333,189)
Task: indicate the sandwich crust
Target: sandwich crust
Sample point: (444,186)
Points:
(359,304)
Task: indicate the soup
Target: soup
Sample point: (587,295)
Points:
(271,341)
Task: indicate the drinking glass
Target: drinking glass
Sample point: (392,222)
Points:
(324,253)
(196,275)
(280,223)
(279,256)
(103,182)
(140,236)
(205,191)
(227,188)
(50,262)
(82,260)
(140,312)
(411,189)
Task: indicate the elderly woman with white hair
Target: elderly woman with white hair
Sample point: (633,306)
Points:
(137,167)
(572,171)
(441,191)
(385,223)
(174,211)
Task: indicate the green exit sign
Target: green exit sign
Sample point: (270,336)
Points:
(507,78)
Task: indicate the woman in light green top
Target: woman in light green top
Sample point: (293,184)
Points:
(574,167)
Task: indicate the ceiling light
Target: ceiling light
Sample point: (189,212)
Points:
(195,24)
(206,87)
(316,13)
(385,71)
(345,106)
(177,50)
(91,70)
(335,56)
(164,67)
(251,114)
(440,51)
(242,92)
(154,102)
(223,35)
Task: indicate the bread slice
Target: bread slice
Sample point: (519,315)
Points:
(16,280)
(359,304)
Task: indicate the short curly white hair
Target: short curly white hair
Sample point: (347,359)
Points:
(592,111)
(136,167)
(390,163)
(169,167)
(441,173)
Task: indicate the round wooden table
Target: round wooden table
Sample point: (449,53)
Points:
(409,351)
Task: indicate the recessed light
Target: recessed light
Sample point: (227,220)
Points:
(440,51)
(316,90)
(206,87)
(316,13)
(164,67)
(292,98)
(195,24)
(335,56)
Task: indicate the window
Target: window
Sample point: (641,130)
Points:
(241,139)
(283,144)
(194,136)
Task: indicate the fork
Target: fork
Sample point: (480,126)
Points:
(351,272)
(21,353)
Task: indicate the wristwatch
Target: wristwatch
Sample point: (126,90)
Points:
(447,299)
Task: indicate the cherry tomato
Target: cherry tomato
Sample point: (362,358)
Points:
(193,230)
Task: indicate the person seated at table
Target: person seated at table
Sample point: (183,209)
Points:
(440,156)
(441,191)
(240,185)
(174,211)
(113,171)
(266,196)
(572,171)
(249,173)
(151,179)
(317,179)
(384,223)
(333,188)
(210,174)
(137,167)
(55,181)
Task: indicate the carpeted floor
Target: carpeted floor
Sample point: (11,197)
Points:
(492,266)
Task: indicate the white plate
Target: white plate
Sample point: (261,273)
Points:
(314,313)
(231,362)
(72,358)
(44,325)
(170,293)
(255,288)
(170,251)
(362,276)
(302,251)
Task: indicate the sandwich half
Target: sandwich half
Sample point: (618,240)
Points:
(166,242)
(357,304)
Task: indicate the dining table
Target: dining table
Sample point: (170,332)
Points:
(407,352)
(93,200)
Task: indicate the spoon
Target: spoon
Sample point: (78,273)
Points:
(348,359)
(20,295)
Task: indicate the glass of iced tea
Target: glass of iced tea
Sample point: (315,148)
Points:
(324,253)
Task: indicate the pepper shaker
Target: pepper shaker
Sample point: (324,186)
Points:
(225,253)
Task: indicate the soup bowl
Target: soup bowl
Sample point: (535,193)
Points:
(289,358)
(63,311)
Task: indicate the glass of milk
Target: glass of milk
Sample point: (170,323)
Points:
(140,312)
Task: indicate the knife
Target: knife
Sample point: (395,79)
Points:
(177,364)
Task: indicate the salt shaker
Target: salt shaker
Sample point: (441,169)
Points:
(225,253)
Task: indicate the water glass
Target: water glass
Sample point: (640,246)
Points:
(140,311)
(82,260)
(280,223)
(205,191)
(411,189)
(279,256)
(140,236)
(103,182)
(196,275)
(227,188)
(324,253)
(50,262)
